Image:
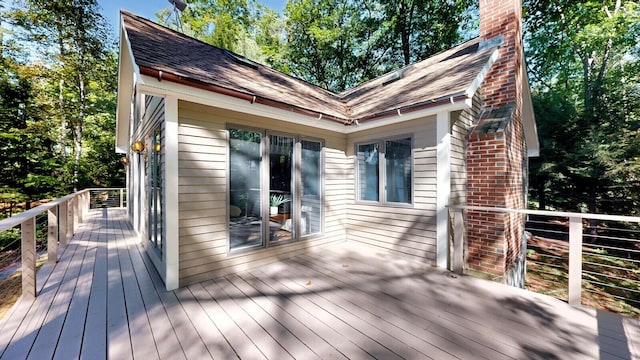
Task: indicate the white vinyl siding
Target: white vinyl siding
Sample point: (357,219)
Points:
(203,192)
(404,229)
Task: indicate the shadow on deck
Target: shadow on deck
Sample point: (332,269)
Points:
(105,300)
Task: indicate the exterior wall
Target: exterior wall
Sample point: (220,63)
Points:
(497,160)
(203,192)
(151,115)
(503,17)
(516,195)
(405,230)
(463,122)
(486,173)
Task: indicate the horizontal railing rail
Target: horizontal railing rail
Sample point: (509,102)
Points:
(599,257)
(63,217)
(107,197)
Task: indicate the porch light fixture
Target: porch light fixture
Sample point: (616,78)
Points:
(137,146)
(125,161)
(158,147)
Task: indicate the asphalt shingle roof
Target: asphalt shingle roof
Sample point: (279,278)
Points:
(446,74)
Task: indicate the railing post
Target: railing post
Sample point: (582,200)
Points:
(85,205)
(121,198)
(63,223)
(28,243)
(81,208)
(71,226)
(52,235)
(76,212)
(458,242)
(575,261)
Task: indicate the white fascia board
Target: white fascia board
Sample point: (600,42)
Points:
(127,70)
(394,119)
(479,79)
(151,85)
(529,117)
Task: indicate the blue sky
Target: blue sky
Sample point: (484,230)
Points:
(148,8)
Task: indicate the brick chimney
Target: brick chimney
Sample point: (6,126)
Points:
(496,153)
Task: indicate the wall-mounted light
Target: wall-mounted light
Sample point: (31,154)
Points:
(158,147)
(137,146)
(124,161)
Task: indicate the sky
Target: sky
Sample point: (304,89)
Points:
(149,8)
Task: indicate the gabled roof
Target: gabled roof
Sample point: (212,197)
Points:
(448,76)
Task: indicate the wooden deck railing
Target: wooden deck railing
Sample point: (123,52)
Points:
(577,222)
(64,215)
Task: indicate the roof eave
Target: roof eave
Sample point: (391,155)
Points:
(449,103)
(252,98)
(127,71)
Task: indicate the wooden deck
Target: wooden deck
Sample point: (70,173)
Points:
(104,300)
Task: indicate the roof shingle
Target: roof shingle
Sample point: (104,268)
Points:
(446,74)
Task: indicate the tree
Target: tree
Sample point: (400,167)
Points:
(72,33)
(228,24)
(587,52)
(77,31)
(339,44)
(25,144)
(422,28)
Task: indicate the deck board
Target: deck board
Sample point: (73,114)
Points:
(118,331)
(140,329)
(436,343)
(30,326)
(76,316)
(104,299)
(192,345)
(94,337)
(165,339)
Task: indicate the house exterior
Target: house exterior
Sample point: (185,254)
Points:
(214,139)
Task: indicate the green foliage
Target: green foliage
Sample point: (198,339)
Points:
(584,61)
(335,44)
(228,24)
(57,99)
(338,44)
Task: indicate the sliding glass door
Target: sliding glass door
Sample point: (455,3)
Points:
(311,188)
(281,223)
(245,191)
(275,193)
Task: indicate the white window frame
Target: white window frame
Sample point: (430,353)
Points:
(382,181)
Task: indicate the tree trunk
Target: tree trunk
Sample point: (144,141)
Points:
(63,122)
(542,197)
(78,139)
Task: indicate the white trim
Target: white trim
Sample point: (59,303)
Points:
(475,84)
(171,251)
(127,72)
(151,85)
(449,107)
(443,193)
(528,117)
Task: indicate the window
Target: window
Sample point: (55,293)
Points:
(275,193)
(155,190)
(385,170)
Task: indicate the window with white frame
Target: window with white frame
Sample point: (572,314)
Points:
(385,170)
